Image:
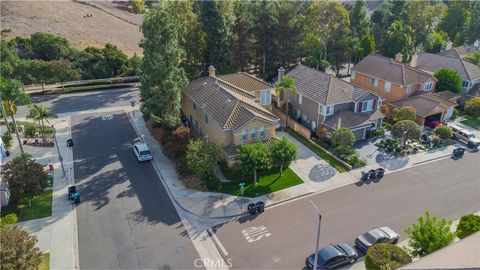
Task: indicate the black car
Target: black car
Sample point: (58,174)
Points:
(332,257)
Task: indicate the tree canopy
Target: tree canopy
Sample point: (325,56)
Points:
(283,153)
(448,80)
(202,156)
(253,157)
(18,249)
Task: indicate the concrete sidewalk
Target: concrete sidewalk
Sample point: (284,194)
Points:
(56,234)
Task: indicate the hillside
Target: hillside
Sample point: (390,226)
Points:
(110,22)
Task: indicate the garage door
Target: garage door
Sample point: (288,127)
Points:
(359,134)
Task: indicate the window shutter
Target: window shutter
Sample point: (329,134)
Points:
(359,107)
(374,105)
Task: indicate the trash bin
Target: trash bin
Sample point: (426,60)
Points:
(71,191)
(69,143)
(372,173)
(365,175)
(76,197)
(380,172)
(260,206)
(252,208)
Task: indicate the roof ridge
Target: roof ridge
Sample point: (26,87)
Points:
(465,68)
(236,87)
(255,78)
(328,89)
(229,118)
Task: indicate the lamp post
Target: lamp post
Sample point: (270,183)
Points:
(60,158)
(315,265)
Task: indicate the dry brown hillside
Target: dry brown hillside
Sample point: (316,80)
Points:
(110,22)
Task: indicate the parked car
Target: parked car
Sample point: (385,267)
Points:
(142,152)
(375,236)
(332,257)
(465,135)
(432,124)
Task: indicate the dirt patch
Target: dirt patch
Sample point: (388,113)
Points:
(110,22)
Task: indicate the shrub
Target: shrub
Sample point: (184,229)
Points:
(182,166)
(404,113)
(379,132)
(234,172)
(436,141)
(386,256)
(343,137)
(8,220)
(472,106)
(387,125)
(444,132)
(355,161)
(448,80)
(7,140)
(212,182)
(469,224)
(203,156)
(30,130)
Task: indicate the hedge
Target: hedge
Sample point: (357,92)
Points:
(386,256)
(469,224)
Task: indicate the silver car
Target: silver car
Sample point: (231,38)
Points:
(374,236)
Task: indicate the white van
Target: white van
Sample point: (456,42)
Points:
(465,135)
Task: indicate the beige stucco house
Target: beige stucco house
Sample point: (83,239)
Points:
(231,109)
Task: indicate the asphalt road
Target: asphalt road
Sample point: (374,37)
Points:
(80,101)
(126,219)
(284,235)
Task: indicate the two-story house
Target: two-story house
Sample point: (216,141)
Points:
(323,100)
(401,85)
(228,111)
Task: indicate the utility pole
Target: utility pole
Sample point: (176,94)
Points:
(315,261)
(60,158)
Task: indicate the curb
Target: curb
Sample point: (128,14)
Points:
(165,184)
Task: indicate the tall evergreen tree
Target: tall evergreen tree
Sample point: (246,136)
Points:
(399,38)
(162,74)
(457,15)
(472,26)
(359,20)
(218,36)
(290,32)
(265,29)
(243,47)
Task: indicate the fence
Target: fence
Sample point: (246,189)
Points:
(45,87)
(305,132)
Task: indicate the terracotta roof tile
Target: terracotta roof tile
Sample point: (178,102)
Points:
(245,81)
(349,119)
(433,62)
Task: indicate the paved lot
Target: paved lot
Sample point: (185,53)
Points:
(126,219)
(283,236)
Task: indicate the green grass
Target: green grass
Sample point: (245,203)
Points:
(471,121)
(48,129)
(41,207)
(317,150)
(266,184)
(45,264)
(72,89)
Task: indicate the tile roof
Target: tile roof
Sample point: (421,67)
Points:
(245,81)
(424,104)
(323,88)
(474,91)
(349,119)
(390,70)
(460,51)
(433,62)
(225,104)
(448,95)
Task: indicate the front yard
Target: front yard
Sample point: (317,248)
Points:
(471,121)
(41,207)
(267,183)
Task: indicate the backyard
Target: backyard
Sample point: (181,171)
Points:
(266,183)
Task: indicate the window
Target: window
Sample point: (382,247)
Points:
(244,136)
(314,125)
(367,105)
(191,119)
(409,88)
(262,133)
(374,82)
(387,87)
(253,133)
(266,97)
(206,118)
(329,110)
(194,106)
(353,75)
(465,84)
(196,124)
(299,98)
(428,86)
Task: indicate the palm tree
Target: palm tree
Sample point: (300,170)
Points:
(4,114)
(286,85)
(11,94)
(41,113)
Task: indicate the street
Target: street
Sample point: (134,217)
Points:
(126,219)
(283,236)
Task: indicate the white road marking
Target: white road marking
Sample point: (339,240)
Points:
(253,234)
(107,117)
(214,236)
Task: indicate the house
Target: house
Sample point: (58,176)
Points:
(431,63)
(389,78)
(461,51)
(226,109)
(323,100)
(430,107)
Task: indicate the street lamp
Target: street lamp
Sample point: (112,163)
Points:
(60,158)
(318,234)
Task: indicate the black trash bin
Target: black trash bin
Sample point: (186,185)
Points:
(71,190)
(252,208)
(69,143)
(380,172)
(260,206)
(372,174)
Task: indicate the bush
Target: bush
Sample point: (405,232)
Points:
(234,172)
(7,140)
(212,182)
(379,132)
(444,132)
(343,137)
(29,130)
(355,161)
(469,224)
(436,141)
(386,256)
(8,220)
(387,125)
(182,166)
(472,107)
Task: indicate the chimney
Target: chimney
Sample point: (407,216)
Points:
(413,63)
(211,71)
(281,72)
(449,45)
(399,57)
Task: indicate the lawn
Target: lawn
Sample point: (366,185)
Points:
(266,184)
(48,129)
(41,207)
(317,150)
(471,121)
(45,264)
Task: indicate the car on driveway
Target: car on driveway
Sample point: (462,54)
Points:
(465,135)
(375,236)
(332,257)
(142,152)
